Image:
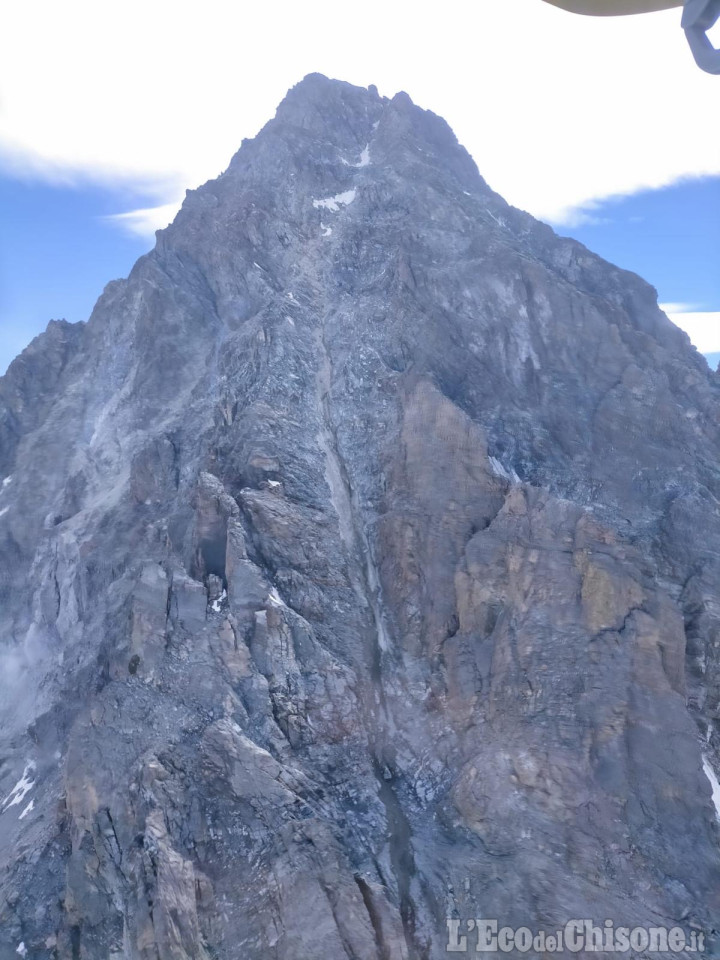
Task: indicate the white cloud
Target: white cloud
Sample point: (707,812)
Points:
(702,326)
(558,111)
(146,221)
(671,308)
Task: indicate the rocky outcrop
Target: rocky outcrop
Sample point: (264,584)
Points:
(359,572)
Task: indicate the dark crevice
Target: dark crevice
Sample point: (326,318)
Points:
(367,895)
(211,556)
(347,946)
(112,843)
(75,941)
(402,858)
(363,572)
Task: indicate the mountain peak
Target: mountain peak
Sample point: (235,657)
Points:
(351,582)
(318,93)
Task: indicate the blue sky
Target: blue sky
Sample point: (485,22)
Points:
(670,237)
(57,252)
(111,111)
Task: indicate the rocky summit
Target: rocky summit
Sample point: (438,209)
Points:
(360,576)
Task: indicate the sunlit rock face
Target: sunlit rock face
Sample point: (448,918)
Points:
(359,572)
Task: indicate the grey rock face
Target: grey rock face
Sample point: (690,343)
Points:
(359,571)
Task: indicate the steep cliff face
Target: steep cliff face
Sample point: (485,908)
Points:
(359,570)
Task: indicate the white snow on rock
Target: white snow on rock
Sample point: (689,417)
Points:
(22,949)
(326,231)
(334,203)
(291,297)
(4,511)
(364,160)
(21,788)
(290,320)
(712,777)
(273,483)
(274,599)
(7,481)
(216,605)
(28,809)
(498,220)
(500,471)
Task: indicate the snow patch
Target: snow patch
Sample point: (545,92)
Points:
(22,949)
(216,605)
(274,599)
(364,160)
(21,788)
(290,320)
(326,231)
(334,203)
(4,511)
(28,809)
(7,481)
(291,297)
(712,777)
(274,484)
(500,471)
